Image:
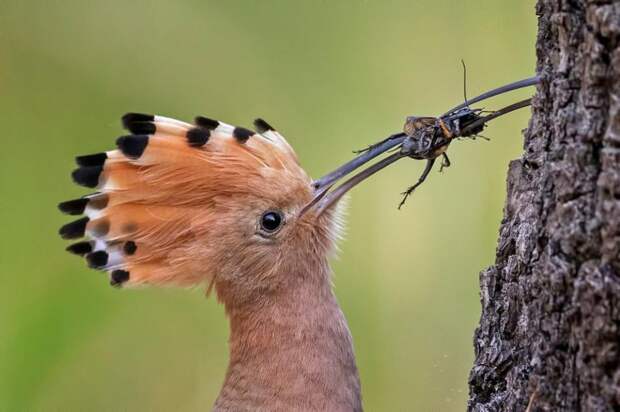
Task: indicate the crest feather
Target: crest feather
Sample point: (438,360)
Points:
(157,190)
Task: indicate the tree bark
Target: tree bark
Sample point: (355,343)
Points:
(549,333)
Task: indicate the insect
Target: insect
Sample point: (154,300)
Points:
(423,138)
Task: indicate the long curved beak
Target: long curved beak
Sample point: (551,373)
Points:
(324,184)
(324,199)
(325,193)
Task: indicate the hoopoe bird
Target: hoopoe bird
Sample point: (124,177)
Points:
(230,209)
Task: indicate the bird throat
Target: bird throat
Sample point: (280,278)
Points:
(292,352)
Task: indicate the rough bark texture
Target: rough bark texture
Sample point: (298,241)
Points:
(549,333)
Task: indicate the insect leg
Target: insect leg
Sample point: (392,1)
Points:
(445,162)
(408,192)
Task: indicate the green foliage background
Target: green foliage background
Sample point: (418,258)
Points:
(332,76)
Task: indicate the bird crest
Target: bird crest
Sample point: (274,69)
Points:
(175,198)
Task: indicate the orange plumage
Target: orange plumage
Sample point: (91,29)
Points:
(168,188)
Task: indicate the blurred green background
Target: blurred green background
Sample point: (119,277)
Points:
(332,76)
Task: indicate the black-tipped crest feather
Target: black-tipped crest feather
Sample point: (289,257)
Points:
(262,126)
(198,136)
(141,127)
(87,176)
(118,277)
(242,134)
(206,122)
(73,207)
(97,159)
(74,230)
(132,146)
(80,248)
(97,259)
(136,117)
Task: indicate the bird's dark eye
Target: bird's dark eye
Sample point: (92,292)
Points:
(271,221)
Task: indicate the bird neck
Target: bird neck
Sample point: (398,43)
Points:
(291,351)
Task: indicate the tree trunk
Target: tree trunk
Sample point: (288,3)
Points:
(549,333)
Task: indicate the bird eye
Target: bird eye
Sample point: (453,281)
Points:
(271,221)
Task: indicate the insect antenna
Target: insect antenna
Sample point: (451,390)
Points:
(465,83)
(497,91)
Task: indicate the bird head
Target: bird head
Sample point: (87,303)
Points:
(199,204)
